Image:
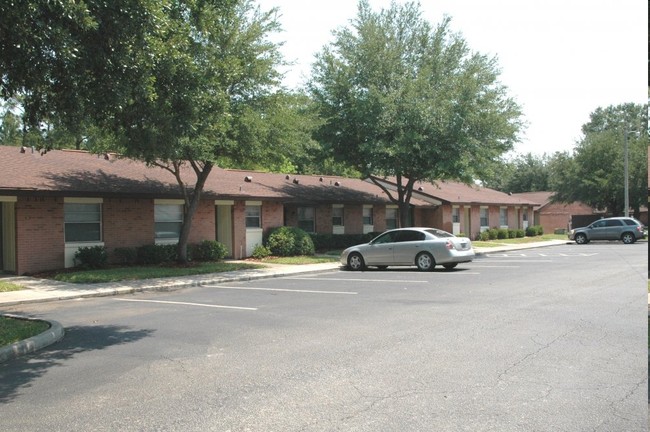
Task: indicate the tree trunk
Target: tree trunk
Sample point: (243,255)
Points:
(192,201)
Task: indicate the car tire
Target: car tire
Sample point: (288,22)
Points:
(424,261)
(628,238)
(581,239)
(450,266)
(356,262)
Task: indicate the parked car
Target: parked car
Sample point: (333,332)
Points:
(422,247)
(626,229)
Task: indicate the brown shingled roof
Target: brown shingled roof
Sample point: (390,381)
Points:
(79,173)
(450,192)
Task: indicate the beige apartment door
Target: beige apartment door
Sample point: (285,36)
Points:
(224,226)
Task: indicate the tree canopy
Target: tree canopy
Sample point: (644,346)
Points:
(175,83)
(595,173)
(404,99)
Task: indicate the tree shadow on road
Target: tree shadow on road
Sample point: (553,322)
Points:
(19,373)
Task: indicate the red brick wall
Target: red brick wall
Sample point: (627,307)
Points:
(353,219)
(272,215)
(323,215)
(127,223)
(558,216)
(39,234)
(203,227)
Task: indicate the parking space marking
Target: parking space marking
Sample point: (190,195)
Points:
(351,280)
(280,290)
(186,304)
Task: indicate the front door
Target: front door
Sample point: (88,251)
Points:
(7,236)
(224,226)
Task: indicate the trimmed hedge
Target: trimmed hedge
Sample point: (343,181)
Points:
(208,250)
(91,257)
(327,242)
(290,241)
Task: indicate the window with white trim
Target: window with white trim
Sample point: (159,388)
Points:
(485,221)
(503,216)
(455,215)
(168,221)
(83,222)
(253,216)
(337,216)
(367,216)
(306,220)
(391,218)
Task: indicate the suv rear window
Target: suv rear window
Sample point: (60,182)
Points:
(630,222)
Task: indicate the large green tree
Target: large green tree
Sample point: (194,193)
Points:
(404,99)
(595,174)
(179,84)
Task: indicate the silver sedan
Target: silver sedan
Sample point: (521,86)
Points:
(421,247)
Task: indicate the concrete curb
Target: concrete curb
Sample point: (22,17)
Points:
(53,334)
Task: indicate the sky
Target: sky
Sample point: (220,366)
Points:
(560,59)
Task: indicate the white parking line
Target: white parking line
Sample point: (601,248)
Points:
(351,280)
(280,290)
(187,304)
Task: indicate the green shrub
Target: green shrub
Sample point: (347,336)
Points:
(521,233)
(534,230)
(493,233)
(92,257)
(502,233)
(512,233)
(208,250)
(290,241)
(328,242)
(484,236)
(156,254)
(125,255)
(261,252)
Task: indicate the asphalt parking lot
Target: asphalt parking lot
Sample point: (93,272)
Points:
(549,339)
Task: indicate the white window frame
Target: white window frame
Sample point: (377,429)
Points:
(253,216)
(503,217)
(395,213)
(303,218)
(78,203)
(484,213)
(160,204)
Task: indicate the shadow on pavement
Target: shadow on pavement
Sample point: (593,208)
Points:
(20,372)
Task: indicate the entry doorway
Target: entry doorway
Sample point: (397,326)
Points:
(223,222)
(7,235)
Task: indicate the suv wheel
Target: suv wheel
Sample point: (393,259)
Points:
(628,238)
(581,239)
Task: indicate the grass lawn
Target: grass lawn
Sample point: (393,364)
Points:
(7,286)
(146,272)
(522,240)
(299,260)
(13,329)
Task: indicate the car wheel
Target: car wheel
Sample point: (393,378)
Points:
(355,261)
(628,238)
(450,266)
(581,239)
(425,261)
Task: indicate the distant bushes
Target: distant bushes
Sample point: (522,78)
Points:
(96,257)
(505,233)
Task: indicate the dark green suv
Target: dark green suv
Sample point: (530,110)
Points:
(626,229)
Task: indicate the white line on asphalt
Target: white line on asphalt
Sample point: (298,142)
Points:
(280,290)
(351,280)
(523,261)
(187,304)
(494,266)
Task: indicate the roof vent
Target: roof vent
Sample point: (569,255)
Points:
(288,177)
(248,179)
(296,181)
(320,179)
(107,156)
(420,189)
(337,184)
(22,149)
